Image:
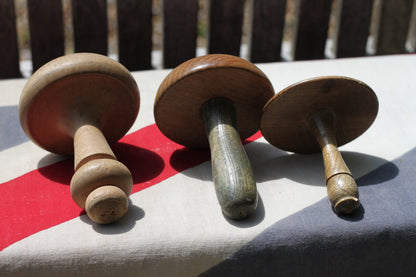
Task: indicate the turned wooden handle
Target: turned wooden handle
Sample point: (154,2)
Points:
(101,184)
(231,170)
(73,105)
(341,186)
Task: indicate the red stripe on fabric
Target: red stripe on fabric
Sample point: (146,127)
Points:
(41,198)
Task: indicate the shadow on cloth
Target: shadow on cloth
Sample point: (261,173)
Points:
(255,219)
(123,225)
(316,242)
(308,169)
(143,164)
(186,157)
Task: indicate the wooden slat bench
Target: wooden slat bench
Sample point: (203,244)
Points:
(351,23)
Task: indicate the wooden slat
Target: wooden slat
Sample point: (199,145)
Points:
(9,51)
(267,30)
(225,26)
(46,31)
(354,28)
(135,33)
(179,31)
(394,26)
(90,26)
(312,29)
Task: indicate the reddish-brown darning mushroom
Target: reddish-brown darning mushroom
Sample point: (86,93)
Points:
(217,100)
(320,114)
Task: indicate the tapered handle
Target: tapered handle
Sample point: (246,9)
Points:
(231,170)
(101,184)
(341,186)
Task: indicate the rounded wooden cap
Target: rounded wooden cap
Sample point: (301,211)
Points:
(180,96)
(106,204)
(73,90)
(286,117)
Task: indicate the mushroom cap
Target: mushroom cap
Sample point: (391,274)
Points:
(286,117)
(182,93)
(76,89)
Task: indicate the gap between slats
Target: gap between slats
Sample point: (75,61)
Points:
(203,30)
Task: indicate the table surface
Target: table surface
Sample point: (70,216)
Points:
(174,226)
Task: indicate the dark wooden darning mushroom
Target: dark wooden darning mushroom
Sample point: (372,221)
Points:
(217,100)
(321,114)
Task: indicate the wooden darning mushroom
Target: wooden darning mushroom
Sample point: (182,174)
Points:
(79,104)
(320,114)
(217,100)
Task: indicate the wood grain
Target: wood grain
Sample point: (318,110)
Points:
(341,186)
(179,31)
(312,30)
(46,31)
(354,28)
(9,51)
(181,94)
(134,27)
(267,30)
(317,115)
(394,26)
(231,170)
(225,26)
(76,104)
(90,24)
(217,100)
(285,117)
